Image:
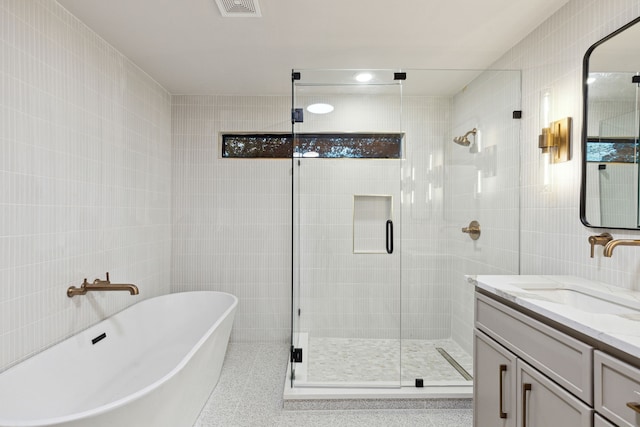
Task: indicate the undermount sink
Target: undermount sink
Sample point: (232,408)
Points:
(584,299)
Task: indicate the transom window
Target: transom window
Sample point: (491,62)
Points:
(323,145)
(612,150)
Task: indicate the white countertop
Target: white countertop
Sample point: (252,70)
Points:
(621,331)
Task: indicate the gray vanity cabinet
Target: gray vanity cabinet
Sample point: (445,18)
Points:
(546,375)
(599,421)
(616,390)
(510,393)
(494,375)
(542,403)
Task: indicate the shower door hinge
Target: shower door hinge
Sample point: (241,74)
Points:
(298,312)
(297,115)
(399,76)
(517,114)
(296,355)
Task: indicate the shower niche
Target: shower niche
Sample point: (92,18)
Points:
(379,293)
(372,224)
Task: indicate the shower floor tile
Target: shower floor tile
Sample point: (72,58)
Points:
(354,360)
(249,393)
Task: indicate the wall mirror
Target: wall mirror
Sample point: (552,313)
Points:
(611,131)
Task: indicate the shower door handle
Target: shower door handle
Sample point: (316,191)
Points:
(389,236)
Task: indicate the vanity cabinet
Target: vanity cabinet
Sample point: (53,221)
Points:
(540,377)
(616,390)
(495,375)
(542,403)
(508,392)
(599,421)
(555,351)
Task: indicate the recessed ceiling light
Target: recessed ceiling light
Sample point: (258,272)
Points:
(320,108)
(364,77)
(591,80)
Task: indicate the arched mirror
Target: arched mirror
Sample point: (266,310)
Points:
(611,131)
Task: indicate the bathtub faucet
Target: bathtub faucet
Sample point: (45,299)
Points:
(101,285)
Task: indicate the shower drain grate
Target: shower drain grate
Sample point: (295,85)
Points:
(455,364)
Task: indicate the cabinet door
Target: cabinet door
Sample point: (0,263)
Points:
(599,421)
(542,403)
(494,383)
(566,360)
(616,390)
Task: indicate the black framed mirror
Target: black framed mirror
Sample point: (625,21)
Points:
(611,131)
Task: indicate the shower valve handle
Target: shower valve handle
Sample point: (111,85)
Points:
(473,230)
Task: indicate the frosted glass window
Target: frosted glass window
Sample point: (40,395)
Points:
(320,145)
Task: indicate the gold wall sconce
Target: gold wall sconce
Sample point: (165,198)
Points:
(555,140)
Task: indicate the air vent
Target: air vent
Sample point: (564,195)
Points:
(239,8)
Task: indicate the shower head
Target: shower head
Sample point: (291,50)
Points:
(464,140)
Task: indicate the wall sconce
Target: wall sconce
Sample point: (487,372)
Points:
(555,140)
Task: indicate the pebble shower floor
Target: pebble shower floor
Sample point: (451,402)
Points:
(340,360)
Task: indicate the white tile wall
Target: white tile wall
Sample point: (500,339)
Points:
(84,177)
(232,217)
(487,104)
(343,294)
(553,241)
(618,194)
(85,182)
(612,196)
(216,200)
(426,261)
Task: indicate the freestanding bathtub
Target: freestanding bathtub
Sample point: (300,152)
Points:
(153,364)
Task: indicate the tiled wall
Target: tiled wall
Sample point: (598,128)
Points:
(612,196)
(346,294)
(482,185)
(614,200)
(84,177)
(232,217)
(232,222)
(426,260)
(553,241)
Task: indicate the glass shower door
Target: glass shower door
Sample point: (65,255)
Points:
(346,165)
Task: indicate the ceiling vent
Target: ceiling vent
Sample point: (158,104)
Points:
(239,8)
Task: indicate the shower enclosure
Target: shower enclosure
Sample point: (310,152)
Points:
(383,202)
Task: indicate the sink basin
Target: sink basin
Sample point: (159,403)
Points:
(586,298)
(583,301)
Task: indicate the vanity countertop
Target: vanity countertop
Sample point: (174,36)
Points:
(618,330)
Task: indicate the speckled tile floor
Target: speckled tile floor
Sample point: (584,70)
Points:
(249,393)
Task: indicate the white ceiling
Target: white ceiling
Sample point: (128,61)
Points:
(189,48)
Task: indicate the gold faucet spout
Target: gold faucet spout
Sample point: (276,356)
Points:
(133,289)
(609,247)
(101,285)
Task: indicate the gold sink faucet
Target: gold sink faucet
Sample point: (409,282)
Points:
(608,249)
(601,239)
(101,285)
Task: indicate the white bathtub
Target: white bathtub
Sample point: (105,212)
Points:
(157,365)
